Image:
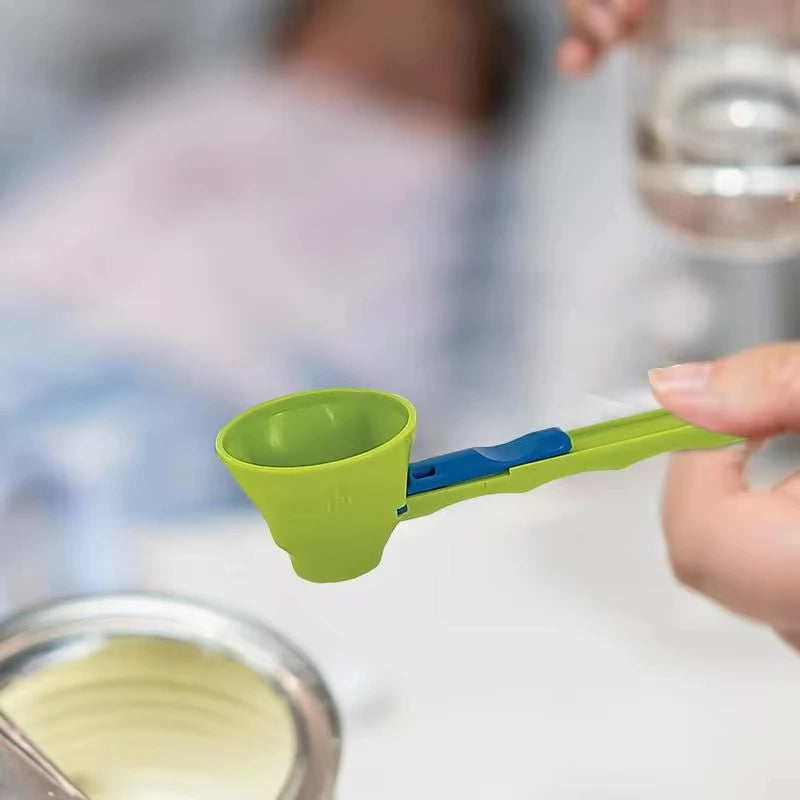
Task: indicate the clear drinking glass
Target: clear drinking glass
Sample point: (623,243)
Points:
(717,124)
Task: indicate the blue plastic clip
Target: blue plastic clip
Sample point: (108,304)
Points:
(485,462)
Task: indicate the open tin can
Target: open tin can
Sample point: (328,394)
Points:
(150,698)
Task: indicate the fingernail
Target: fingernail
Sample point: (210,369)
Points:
(681,379)
(602,21)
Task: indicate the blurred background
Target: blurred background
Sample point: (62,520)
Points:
(207,203)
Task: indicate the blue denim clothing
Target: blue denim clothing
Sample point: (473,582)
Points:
(142,440)
(92,442)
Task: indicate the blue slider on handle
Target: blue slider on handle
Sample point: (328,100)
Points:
(485,462)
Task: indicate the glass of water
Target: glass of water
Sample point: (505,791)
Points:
(717,124)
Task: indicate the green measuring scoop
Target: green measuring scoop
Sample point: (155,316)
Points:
(329,470)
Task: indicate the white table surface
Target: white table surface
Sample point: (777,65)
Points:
(521,647)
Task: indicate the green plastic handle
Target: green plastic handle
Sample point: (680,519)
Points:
(606,446)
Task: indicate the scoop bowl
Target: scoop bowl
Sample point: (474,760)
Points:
(327,470)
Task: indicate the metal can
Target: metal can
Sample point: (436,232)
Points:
(136,696)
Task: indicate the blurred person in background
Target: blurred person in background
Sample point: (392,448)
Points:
(311,219)
(266,231)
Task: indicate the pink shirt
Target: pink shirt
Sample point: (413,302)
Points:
(260,230)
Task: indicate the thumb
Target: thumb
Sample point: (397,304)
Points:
(755,394)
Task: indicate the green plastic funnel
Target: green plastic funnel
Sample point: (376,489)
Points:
(329,470)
